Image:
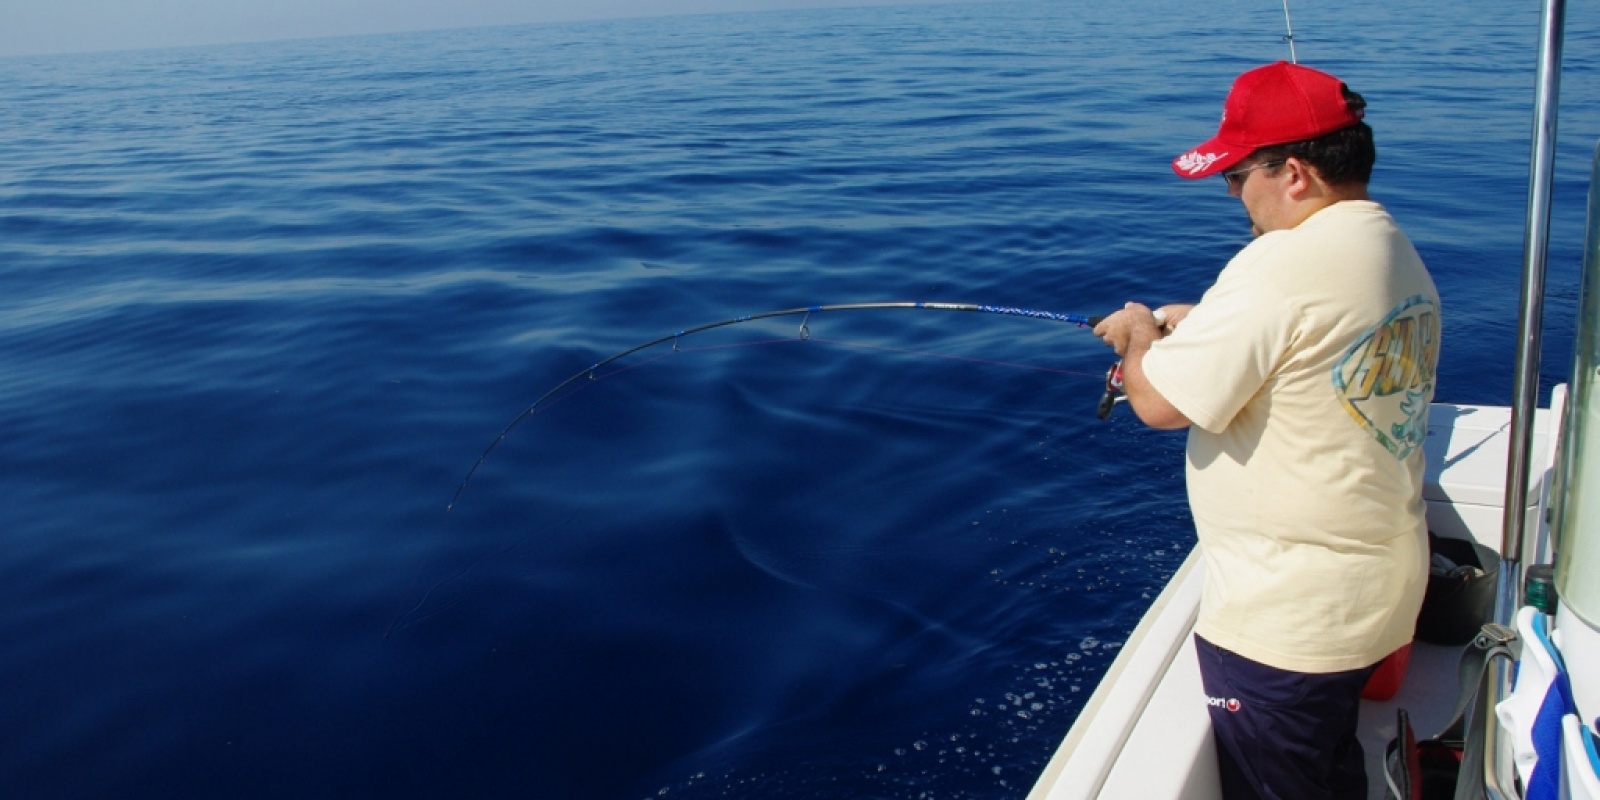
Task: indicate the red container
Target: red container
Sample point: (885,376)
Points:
(1385,680)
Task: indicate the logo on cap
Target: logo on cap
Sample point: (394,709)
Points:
(1195,161)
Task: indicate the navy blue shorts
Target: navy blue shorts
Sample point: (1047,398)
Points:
(1283,735)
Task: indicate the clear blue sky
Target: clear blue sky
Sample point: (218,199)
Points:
(71,26)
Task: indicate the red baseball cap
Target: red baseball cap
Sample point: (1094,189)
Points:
(1275,104)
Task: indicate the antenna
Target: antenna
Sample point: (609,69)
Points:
(1288,24)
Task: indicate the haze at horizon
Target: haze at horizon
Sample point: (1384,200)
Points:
(37,27)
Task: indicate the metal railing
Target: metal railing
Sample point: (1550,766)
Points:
(1525,397)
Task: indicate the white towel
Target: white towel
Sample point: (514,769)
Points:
(1540,686)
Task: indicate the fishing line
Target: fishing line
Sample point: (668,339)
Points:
(415,614)
(856,345)
(853,344)
(805,333)
(948,357)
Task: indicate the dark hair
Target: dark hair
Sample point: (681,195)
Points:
(1342,157)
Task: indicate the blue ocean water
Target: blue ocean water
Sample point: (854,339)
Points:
(262,306)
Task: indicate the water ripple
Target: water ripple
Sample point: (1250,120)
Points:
(262,306)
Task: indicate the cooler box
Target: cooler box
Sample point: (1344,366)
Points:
(1466,454)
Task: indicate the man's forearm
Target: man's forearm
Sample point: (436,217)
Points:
(1149,405)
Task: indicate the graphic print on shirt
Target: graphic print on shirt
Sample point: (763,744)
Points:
(1385,380)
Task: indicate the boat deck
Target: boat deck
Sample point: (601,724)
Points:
(1428,700)
(1147,702)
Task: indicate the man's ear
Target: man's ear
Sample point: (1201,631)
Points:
(1303,177)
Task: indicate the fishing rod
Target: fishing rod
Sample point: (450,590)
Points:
(1288,25)
(805,333)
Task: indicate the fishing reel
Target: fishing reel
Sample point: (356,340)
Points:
(1113,394)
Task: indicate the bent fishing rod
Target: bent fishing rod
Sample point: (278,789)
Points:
(805,333)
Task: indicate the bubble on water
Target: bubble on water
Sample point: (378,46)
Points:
(983,747)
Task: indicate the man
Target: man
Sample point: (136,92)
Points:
(1304,376)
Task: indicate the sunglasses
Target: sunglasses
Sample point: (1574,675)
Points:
(1236,177)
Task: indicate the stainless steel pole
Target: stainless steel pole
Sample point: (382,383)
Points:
(1524,401)
(1535,256)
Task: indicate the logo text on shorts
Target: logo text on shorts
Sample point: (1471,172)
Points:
(1229,703)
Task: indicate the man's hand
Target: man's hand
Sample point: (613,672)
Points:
(1130,332)
(1135,326)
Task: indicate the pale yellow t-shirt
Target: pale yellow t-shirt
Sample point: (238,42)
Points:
(1307,369)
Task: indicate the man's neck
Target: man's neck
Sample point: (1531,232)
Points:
(1326,195)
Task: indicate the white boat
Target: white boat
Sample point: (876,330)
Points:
(1145,732)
